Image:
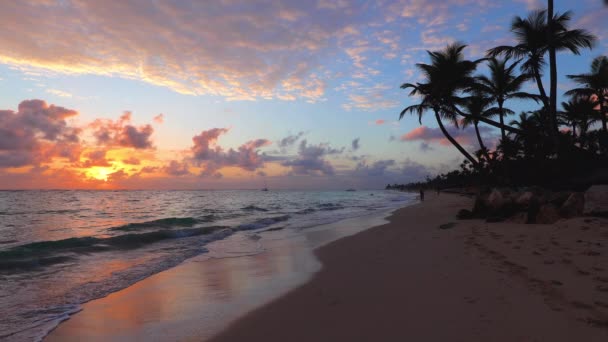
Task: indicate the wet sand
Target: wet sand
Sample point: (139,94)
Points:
(411,280)
(201,296)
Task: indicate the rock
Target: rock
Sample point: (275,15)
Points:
(519,217)
(558,198)
(524,199)
(596,200)
(573,206)
(547,214)
(480,209)
(464,214)
(495,199)
(533,209)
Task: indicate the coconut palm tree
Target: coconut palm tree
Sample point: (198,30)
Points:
(579,111)
(594,84)
(478,106)
(445,78)
(536,35)
(503,85)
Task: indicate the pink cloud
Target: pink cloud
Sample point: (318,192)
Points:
(380,122)
(37,133)
(207,152)
(159,119)
(429,135)
(122,133)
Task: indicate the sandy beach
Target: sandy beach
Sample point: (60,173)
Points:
(409,280)
(424,276)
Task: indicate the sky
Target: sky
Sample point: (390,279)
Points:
(235,94)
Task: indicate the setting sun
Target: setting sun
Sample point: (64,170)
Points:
(99,173)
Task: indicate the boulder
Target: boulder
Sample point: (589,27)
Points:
(519,217)
(533,209)
(524,199)
(596,200)
(547,214)
(558,198)
(480,209)
(495,200)
(573,206)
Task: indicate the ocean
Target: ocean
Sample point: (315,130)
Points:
(60,249)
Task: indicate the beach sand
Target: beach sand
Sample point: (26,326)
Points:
(424,276)
(409,280)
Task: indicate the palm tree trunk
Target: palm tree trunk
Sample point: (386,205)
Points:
(574,130)
(541,89)
(553,77)
(603,115)
(490,122)
(502,121)
(481,145)
(453,141)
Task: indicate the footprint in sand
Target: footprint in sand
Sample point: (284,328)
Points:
(602,288)
(601,279)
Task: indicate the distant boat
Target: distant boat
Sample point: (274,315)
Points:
(351,189)
(265,188)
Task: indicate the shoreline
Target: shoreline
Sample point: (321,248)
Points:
(227,285)
(471,281)
(422,276)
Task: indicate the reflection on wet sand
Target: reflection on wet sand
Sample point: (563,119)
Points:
(201,296)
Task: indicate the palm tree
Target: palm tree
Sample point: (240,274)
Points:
(579,111)
(531,139)
(561,38)
(502,85)
(536,35)
(447,75)
(476,107)
(595,84)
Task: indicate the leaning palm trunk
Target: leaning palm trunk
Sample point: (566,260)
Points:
(483,148)
(489,122)
(481,145)
(453,141)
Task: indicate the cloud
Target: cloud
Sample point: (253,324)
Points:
(37,133)
(59,93)
(213,157)
(94,158)
(428,135)
(371,98)
(131,161)
(237,49)
(380,122)
(355,144)
(175,168)
(311,161)
(159,119)
(122,133)
(376,169)
(289,140)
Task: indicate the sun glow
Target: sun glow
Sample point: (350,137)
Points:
(100,173)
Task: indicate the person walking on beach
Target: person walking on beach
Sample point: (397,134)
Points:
(421,194)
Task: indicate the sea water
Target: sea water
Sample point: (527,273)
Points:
(60,249)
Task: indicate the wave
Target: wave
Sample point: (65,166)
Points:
(330,206)
(46,252)
(169,222)
(253,208)
(306,211)
(265,222)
